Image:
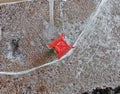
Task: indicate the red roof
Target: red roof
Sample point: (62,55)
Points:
(60,45)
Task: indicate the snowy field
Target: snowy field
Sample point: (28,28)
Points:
(28,66)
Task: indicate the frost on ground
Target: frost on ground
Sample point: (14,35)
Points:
(97,54)
(32,25)
(93,63)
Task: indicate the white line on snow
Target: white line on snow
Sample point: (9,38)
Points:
(0,34)
(29,70)
(35,68)
(99,7)
(14,2)
(85,31)
(90,59)
(92,55)
(55,61)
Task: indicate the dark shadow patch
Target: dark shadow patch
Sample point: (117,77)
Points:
(107,90)
(43,58)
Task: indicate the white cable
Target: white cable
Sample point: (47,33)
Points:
(14,2)
(55,61)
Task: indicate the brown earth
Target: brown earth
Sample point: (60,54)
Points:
(93,26)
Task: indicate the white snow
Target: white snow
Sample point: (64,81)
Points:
(85,31)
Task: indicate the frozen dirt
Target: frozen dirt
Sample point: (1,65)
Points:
(92,26)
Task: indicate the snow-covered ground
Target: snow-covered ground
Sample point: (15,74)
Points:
(92,26)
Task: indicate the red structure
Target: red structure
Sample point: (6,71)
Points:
(60,45)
